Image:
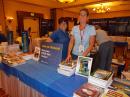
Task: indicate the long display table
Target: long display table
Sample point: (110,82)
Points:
(41,78)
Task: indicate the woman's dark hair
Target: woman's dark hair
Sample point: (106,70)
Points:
(62,19)
(86,10)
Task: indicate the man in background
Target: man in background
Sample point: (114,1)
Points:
(105,52)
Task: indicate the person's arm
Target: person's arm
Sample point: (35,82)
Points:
(91,45)
(71,44)
(49,40)
(53,37)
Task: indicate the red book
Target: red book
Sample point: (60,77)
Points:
(88,90)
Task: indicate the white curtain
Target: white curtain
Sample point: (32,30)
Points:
(15,88)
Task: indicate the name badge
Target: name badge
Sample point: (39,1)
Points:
(81,48)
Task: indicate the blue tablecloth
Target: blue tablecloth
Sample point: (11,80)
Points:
(45,79)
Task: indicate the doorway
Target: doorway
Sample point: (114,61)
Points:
(33,24)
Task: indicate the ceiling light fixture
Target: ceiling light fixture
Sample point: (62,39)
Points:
(65,1)
(101,9)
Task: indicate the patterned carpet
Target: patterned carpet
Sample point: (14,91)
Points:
(2,93)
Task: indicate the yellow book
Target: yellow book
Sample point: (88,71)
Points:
(113,93)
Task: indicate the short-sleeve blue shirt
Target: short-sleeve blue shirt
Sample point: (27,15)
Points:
(62,37)
(88,31)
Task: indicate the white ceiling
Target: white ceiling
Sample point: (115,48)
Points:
(115,5)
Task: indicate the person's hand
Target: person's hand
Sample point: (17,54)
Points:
(68,58)
(84,54)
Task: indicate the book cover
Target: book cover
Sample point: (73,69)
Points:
(102,74)
(113,93)
(68,65)
(36,55)
(120,86)
(12,60)
(67,68)
(101,78)
(88,90)
(83,67)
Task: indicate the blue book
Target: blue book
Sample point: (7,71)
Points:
(10,37)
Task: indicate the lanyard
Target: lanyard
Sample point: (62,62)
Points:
(82,35)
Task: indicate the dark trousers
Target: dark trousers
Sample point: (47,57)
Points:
(104,55)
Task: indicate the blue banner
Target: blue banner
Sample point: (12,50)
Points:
(25,42)
(51,53)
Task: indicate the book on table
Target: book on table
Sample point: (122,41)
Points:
(126,75)
(101,78)
(114,93)
(88,90)
(102,74)
(36,55)
(117,85)
(12,60)
(67,68)
(68,65)
(84,65)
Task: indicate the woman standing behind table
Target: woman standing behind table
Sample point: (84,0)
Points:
(83,37)
(61,36)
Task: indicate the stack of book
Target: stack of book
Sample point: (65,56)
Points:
(120,84)
(12,60)
(88,90)
(126,75)
(101,78)
(25,56)
(67,68)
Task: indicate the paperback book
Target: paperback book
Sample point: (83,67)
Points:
(120,86)
(68,65)
(12,60)
(113,93)
(36,55)
(84,65)
(101,78)
(102,74)
(67,68)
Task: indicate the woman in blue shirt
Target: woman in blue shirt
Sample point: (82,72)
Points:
(61,36)
(83,37)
